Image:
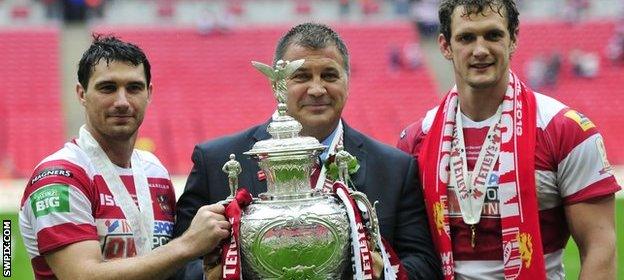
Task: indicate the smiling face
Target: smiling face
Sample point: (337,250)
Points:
(317,91)
(115,100)
(480,47)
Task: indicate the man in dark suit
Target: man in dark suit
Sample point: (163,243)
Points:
(317,93)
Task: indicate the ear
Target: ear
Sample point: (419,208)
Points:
(513,46)
(149,93)
(80,93)
(445,47)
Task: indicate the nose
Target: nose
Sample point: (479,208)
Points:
(121,99)
(317,88)
(480,50)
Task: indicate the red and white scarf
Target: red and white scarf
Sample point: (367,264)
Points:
(360,237)
(521,240)
(230,254)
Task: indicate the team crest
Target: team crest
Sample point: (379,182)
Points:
(163,202)
(438,215)
(525,243)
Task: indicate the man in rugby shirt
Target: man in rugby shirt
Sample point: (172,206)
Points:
(508,174)
(98,208)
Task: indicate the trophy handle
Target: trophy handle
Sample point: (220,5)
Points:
(373,225)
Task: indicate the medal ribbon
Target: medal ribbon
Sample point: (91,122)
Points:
(141,220)
(471,187)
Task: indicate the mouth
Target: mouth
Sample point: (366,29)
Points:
(121,118)
(316,105)
(481,66)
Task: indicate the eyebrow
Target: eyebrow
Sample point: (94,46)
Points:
(109,82)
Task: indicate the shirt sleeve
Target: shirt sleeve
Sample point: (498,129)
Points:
(57,208)
(411,139)
(583,170)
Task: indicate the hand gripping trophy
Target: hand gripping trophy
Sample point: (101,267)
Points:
(232,168)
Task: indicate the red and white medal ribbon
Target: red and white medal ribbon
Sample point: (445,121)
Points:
(471,187)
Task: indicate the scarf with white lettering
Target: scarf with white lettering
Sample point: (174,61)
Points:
(360,237)
(230,254)
(521,240)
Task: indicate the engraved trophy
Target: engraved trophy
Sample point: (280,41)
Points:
(291,231)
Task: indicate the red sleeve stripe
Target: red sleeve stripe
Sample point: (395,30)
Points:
(567,134)
(603,187)
(54,237)
(78,178)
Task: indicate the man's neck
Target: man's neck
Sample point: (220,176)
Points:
(481,104)
(118,151)
(318,133)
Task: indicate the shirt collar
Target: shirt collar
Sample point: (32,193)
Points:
(327,141)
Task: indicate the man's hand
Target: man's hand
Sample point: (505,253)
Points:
(377,264)
(377,260)
(212,265)
(206,231)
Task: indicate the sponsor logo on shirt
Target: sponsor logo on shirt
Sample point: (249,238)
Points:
(111,226)
(58,171)
(49,199)
(163,227)
(581,119)
(491,207)
(109,200)
(159,186)
(121,227)
(118,242)
(606,166)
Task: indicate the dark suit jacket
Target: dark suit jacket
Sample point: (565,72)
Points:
(386,175)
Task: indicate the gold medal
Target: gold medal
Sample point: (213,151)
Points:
(473,235)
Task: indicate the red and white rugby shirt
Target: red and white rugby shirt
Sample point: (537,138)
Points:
(67,201)
(570,166)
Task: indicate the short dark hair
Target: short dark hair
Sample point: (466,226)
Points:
(474,7)
(110,48)
(313,36)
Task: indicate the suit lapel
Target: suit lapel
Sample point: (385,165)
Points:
(353,143)
(257,186)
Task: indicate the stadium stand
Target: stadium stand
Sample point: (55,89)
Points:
(205,86)
(599,98)
(33,123)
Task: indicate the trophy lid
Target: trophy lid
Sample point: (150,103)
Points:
(284,129)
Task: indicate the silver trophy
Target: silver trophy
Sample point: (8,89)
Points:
(292,231)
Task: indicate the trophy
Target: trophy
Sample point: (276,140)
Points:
(293,231)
